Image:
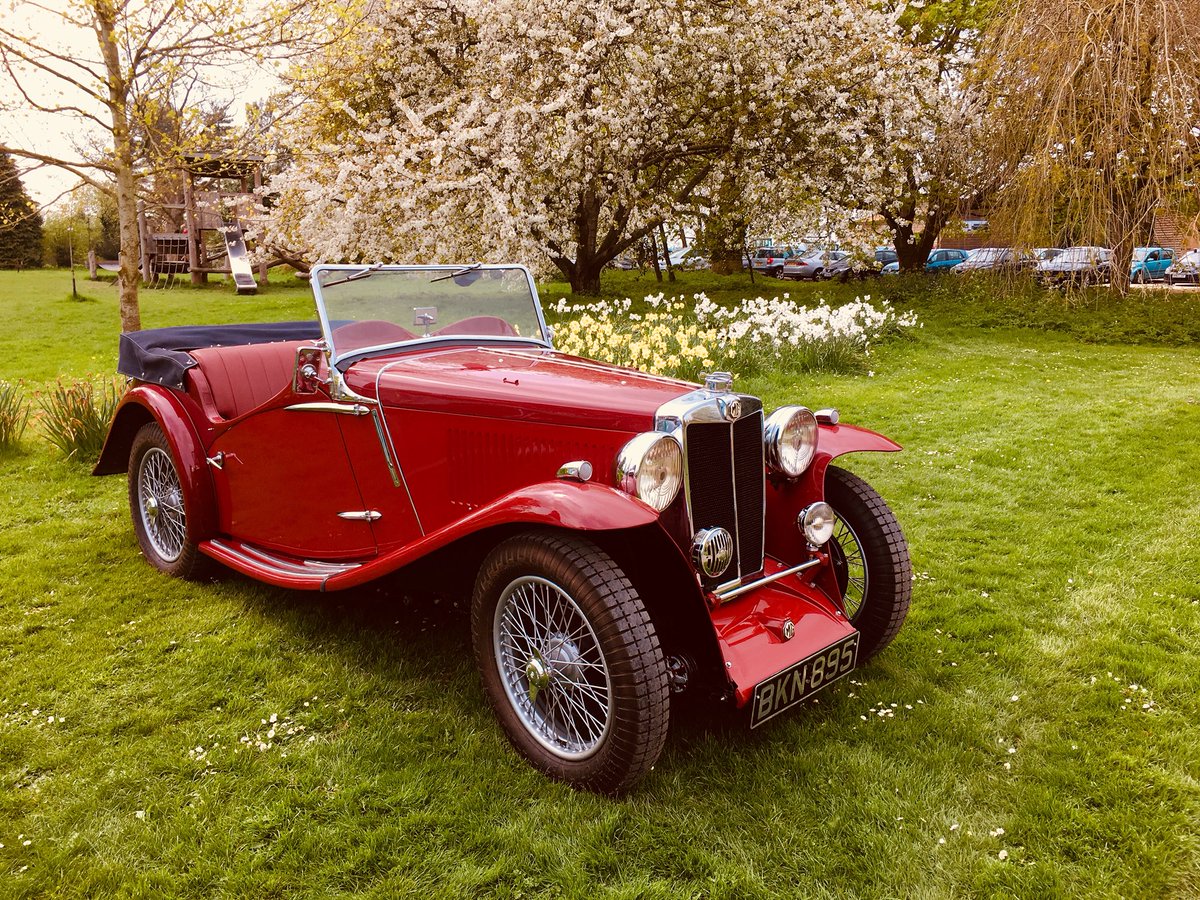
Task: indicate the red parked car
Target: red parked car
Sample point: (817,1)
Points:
(627,536)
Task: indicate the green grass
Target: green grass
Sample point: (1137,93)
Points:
(1047,489)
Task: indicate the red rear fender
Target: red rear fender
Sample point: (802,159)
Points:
(146,403)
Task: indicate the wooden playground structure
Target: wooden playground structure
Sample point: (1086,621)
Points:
(220,198)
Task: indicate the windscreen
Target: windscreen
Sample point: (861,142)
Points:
(364,308)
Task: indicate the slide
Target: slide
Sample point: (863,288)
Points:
(239,261)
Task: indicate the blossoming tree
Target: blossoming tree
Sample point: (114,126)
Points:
(564,132)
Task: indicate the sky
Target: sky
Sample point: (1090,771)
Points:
(60,135)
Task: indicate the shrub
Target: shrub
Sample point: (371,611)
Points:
(14,416)
(76,414)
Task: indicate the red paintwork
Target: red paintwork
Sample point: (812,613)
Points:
(749,629)
(561,504)
(479,433)
(176,414)
(785,498)
(529,385)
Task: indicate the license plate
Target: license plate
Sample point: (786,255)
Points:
(781,692)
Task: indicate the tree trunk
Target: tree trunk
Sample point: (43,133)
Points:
(654,258)
(662,233)
(585,279)
(118,100)
(726,243)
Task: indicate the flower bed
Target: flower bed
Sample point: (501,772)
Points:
(683,339)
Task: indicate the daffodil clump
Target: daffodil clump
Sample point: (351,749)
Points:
(682,339)
(666,340)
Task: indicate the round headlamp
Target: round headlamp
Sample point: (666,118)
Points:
(817,521)
(651,468)
(790,438)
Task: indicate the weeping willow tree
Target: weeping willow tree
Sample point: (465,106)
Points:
(1096,111)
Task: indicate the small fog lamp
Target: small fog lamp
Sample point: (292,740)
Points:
(816,521)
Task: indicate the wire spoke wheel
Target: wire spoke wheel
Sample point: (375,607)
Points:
(870,559)
(552,667)
(161,504)
(570,660)
(850,565)
(159,508)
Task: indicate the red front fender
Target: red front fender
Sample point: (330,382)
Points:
(786,498)
(559,504)
(145,403)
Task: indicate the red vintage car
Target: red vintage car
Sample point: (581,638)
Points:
(627,536)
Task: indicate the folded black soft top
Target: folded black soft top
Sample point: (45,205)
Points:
(158,354)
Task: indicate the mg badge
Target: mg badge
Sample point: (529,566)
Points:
(712,551)
(789,629)
(733,409)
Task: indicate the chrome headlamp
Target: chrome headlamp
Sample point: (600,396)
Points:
(790,438)
(817,521)
(651,468)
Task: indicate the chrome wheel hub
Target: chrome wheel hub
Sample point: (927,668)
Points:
(552,667)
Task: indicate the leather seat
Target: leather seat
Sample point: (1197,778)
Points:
(234,380)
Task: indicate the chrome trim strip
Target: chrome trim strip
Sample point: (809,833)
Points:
(392,464)
(366,515)
(746,588)
(385,438)
(356,410)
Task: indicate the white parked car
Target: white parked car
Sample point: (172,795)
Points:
(1185,270)
(817,264)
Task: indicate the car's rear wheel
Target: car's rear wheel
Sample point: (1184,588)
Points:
(1139,277)
(817,272)
(870,558)
(159,508)
(570,661)
(775,271)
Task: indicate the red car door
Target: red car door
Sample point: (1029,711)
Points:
(286,484)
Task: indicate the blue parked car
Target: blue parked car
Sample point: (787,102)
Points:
(938,261)
(1150,264)
(944,260)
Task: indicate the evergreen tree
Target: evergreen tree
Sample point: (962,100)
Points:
(20,222)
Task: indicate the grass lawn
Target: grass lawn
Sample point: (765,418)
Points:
(1034,731)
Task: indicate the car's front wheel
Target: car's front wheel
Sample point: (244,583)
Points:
(158,507)
(570,661)
(870,558)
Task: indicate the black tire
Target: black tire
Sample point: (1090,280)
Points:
(775,271)
(870,557)
(542,678)
(1139,277)
(817,273)
(157,505)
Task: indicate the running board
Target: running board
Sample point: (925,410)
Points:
(277,569)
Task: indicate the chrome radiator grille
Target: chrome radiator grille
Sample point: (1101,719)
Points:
(725,484)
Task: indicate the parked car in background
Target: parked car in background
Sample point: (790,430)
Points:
(817,264)
(884,256)
(1077,266)
(995,260)
(1185,269)
(938,261)
(685,258)
(1044,253)
(1150,264)
(770,260)
(945,260)
(618,537)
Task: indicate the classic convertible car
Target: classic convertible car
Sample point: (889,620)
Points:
(627,536)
